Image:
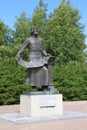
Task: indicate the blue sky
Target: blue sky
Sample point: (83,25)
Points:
(10,9)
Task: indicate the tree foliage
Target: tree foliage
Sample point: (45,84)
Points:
(22,28)
(12,76)
(71,80)
(39,17)
(65,34)
(5,34)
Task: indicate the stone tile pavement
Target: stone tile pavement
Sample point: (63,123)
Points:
(77,107)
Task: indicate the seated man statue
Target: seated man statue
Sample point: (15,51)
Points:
(39,64)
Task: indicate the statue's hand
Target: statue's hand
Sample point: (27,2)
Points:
(48,55)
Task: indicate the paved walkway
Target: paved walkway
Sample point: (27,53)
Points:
(70,124)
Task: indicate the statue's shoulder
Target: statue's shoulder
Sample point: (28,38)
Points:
(27,40)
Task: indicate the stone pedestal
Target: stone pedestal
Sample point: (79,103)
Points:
(41,105)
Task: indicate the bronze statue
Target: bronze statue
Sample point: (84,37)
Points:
(39,65)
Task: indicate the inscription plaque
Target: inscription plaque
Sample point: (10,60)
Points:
(47,102)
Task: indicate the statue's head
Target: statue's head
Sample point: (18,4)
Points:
(34,30)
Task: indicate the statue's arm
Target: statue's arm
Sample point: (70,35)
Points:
(43,50)
(25,45)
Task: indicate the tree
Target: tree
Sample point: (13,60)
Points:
(23,23)
(5,34)
(22,28)
(39,17)
(65,40)
(65,34)
(12,76)
(71,80)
